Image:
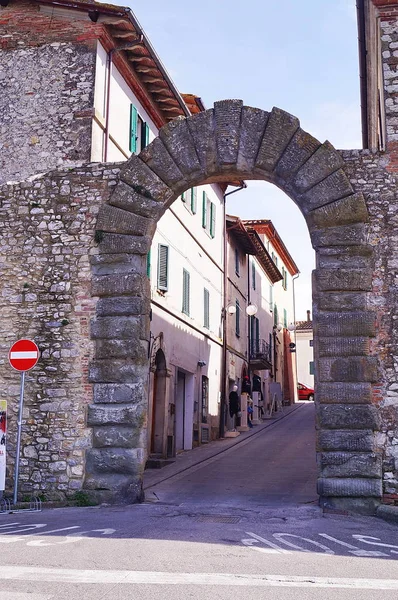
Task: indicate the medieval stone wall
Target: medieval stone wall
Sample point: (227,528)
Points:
(371,173)
(46,247)
(47,89)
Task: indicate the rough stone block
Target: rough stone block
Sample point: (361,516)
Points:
(179,143)
(281,127)
(335,301)
(127,198)
(157,157)
(343,280)
(111,414)
(116,393)
(201,127)
(119,284)
(123,305)
(122,348)
(334,187)
(253,122)
(350,464)
(349,368)
(109,264)
(115,328)
(141,178)
(301,147)
(116,488)
(318,167)
(347,346)
(357,487)
(356,257)
(362,440)
(112,460)
(346,235)
(115,437)
(115,220)
(346,324)
(345,211)
(227,117)
(340,393)
(348,416)
(113,243)
(116,371)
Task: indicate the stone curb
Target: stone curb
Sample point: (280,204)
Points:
(388,513)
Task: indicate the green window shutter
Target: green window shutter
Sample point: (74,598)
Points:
(133,128)
(257,329)
(163,267)
(148,264)
(285,279)
(312,367)
(285,318)
(204,210)
(275,314)
(194,200)
(271,297)
(206,306)
(185,291)
(184,196)
(144,135)
(212,219)
(254,275)
(237,318)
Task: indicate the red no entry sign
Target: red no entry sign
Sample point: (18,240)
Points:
(23,355)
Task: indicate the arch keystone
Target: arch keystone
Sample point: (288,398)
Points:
(227,119)
(280,128)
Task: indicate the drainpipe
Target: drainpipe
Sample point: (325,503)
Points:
(295,335)
(223,399)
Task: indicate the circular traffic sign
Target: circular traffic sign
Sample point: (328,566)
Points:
(23,355)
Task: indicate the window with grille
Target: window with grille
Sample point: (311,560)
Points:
(163,268)
(185,292)
(206,309)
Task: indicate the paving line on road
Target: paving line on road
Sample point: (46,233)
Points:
(86,576)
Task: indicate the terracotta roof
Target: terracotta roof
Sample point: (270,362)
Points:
(251,243)
(303,325)
(266,227)
(131,41)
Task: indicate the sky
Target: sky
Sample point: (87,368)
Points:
(299,56)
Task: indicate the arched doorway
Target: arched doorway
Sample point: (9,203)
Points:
(232,141)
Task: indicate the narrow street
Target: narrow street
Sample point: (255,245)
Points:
(273,467)
(237,518)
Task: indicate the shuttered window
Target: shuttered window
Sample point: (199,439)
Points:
(133,128)
(237,263)
(271,297)
(285,318)
(148,264)
(194,200)
(275,314)
(185,291)
(237,319)
(254,275)
(206,308)
(312,367)
(144,135)
(163,267)
(184,196)
(208,215)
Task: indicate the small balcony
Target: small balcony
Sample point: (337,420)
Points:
(260,355)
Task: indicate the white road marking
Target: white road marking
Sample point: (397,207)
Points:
(353,549)
(365,539)
(163,578)
(24,596)
(71,538)
(267,543)
(281,538)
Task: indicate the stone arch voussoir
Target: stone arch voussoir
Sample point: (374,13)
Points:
(240,142)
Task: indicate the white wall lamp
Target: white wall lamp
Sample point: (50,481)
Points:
(251,309)
(291,327)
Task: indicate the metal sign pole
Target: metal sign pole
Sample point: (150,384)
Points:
(19,437)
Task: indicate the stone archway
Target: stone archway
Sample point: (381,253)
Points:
(239,142)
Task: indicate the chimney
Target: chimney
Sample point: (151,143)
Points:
(308,315)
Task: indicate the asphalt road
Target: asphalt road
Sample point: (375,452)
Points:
(255,541)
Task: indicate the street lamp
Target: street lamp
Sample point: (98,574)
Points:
(291,327)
